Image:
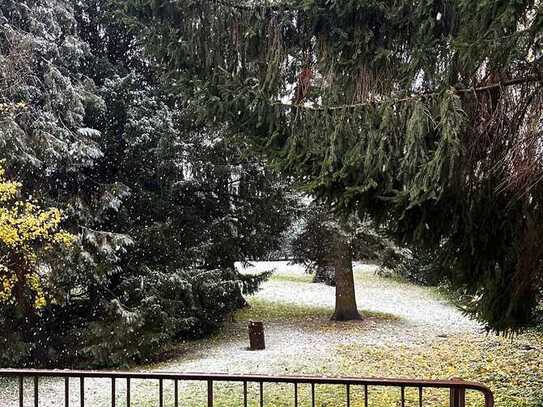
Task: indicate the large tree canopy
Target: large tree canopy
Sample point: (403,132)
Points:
(160,207)
(424,115)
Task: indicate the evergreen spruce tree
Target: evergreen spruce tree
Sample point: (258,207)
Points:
(313,245)
(161,206)
(424,116)
(325,246)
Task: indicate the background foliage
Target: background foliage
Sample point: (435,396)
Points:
(423,116)
(161,205)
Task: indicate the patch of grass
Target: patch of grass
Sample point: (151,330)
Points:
(373,280)
(362,276)
(293,278)
(513,369)
(274,395)
(365,277)
(262,310)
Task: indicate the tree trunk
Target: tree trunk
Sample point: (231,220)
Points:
(346,309)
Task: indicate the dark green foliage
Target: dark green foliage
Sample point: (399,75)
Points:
(162,205)
(157,308)
(419,266)
(423,116)
(312,246)
(40,59)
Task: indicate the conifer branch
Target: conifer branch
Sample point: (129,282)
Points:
(234,6)
(246,7)
(501,84)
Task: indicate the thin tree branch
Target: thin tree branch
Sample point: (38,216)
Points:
(504,84)
(278,6)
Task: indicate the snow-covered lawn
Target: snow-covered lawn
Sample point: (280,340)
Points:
(409,331)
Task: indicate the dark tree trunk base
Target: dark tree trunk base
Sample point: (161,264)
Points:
(346,316)
(346,309)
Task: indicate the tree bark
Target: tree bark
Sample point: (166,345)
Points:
(346,309)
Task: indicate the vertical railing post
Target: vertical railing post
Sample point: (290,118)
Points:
(161,392)
(36,392)
(21,391)
(128,392)
(489,398)
(82,391)
(113,392)
(245,394)
(457,395)
(210,393)
(66,391)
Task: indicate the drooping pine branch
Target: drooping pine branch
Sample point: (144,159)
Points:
(411,98)
(429,166)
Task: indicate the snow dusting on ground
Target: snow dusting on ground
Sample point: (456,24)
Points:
(293,347)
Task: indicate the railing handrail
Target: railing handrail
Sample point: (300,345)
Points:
(259,378)
(228,377)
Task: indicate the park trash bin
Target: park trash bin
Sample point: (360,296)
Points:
(256,335)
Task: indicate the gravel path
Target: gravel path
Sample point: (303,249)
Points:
(300,347)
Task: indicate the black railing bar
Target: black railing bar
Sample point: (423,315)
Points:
(21,391)
(348,390)
(113,391)
(366,396)
(261,388)
(176,393)
(210,393)
(66,392)
(36,391)
(402,393)
(128,392)
(312,394)
(161,392)
(420,396)
(244,394)
(295,394)
(82,391)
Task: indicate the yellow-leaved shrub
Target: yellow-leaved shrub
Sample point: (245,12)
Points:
(28,234)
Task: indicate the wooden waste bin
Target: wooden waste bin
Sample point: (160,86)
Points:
(256,336)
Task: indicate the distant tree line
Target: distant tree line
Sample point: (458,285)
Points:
(313,247)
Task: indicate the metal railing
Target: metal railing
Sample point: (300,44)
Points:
(457,388)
